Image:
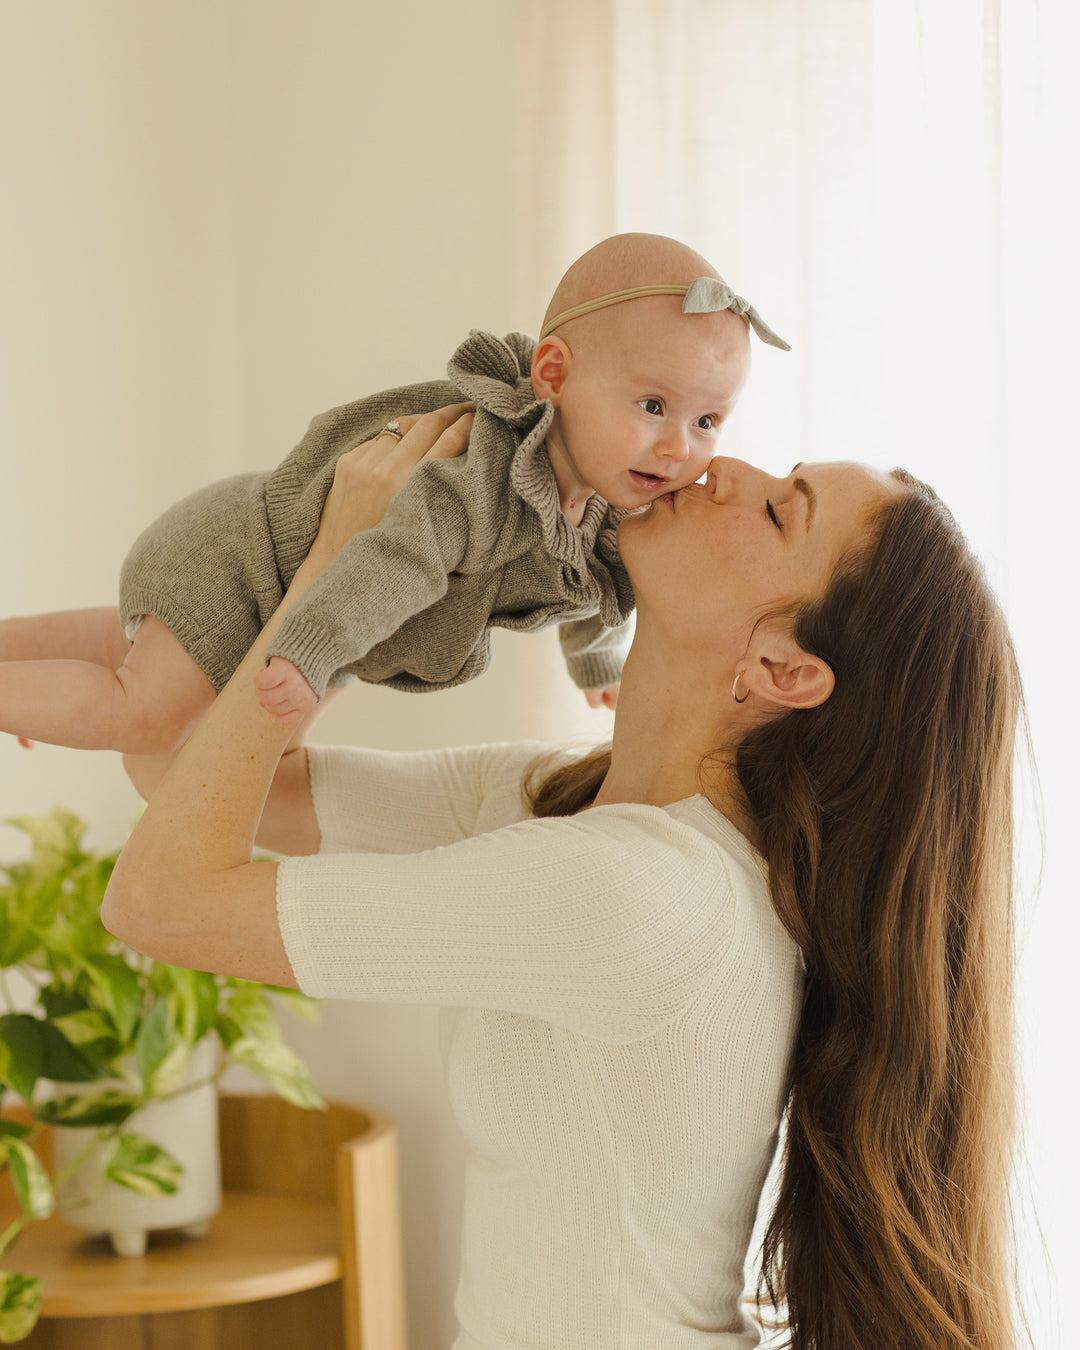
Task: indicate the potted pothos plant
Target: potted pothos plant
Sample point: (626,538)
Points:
(93,1033)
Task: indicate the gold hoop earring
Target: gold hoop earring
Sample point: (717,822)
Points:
(735,689)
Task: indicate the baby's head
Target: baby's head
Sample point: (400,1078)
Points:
(640,388)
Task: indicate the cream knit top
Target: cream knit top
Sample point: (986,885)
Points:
(621,1007)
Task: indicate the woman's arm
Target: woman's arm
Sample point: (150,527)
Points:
(185,889)
(288,823)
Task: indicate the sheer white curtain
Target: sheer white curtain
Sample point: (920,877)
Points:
(894,185)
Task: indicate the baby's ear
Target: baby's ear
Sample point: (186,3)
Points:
(550,363)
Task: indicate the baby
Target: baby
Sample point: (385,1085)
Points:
(641,357)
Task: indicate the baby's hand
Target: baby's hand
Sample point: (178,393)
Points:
(283,691)
(602,698)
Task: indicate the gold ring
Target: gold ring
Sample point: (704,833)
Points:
(392,429)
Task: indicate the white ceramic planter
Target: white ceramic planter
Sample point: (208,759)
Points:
(187,1127)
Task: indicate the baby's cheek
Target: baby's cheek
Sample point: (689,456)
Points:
(693,472)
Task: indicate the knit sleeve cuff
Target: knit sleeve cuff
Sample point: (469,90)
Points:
(294,935)
(595,670)
(317,654)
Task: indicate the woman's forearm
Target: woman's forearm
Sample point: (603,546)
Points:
(185,889)
(288,824)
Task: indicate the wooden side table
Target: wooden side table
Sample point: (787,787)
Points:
(306,1250)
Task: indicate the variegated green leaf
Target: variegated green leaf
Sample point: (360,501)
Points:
(90,1031)
(142,1166)
(63,1062)
(18,938)
(12,1233)
(111,1107)
(58,1001)
(161,1053)
(22,1052)
(252,1037)
(250,1009)
(197,992)
(118,990)
(156,1037)
(89,881)
(33,1188)
(20,1305)
(171,1072)
(300,1005)
(60,832)
(276,1064)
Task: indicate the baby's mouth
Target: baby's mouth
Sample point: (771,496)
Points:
(647,480)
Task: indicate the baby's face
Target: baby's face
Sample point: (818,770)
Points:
(641,413)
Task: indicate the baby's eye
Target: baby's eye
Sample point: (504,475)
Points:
(708,423)
(652,406)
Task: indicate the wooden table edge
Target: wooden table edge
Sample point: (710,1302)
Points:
(309,1270)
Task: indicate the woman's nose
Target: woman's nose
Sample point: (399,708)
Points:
(721,477)
(726,478)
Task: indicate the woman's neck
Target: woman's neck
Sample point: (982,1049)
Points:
(668,741)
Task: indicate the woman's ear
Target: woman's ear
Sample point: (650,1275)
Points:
(550,364)
(780,673)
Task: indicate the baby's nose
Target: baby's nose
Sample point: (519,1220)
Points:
(673,445)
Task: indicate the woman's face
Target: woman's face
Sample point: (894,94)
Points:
(742,543)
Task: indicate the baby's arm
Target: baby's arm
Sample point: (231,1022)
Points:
(594,655)
(284,692)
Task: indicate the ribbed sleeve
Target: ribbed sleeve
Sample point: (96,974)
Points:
(388,801)
(599,923)
(379,579)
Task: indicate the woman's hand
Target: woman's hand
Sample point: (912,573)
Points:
(367,478)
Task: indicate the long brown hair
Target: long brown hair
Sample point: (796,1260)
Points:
(885,816)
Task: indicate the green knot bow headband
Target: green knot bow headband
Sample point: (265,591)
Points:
(705,295)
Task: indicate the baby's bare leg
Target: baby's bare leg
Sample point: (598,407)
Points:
(146,704)
(72,634)
(147,771)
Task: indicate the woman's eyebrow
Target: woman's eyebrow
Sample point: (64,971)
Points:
(801,485)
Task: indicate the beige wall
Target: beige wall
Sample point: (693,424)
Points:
(118,387)
(222,216)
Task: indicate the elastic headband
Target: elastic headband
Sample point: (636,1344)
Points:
(705,295)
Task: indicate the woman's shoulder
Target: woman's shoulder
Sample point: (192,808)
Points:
(493,762)
(696,843)
(698,813)
(400,800)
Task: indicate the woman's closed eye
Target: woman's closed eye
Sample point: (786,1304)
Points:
(772,515)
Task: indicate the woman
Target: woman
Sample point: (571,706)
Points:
(786,887)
